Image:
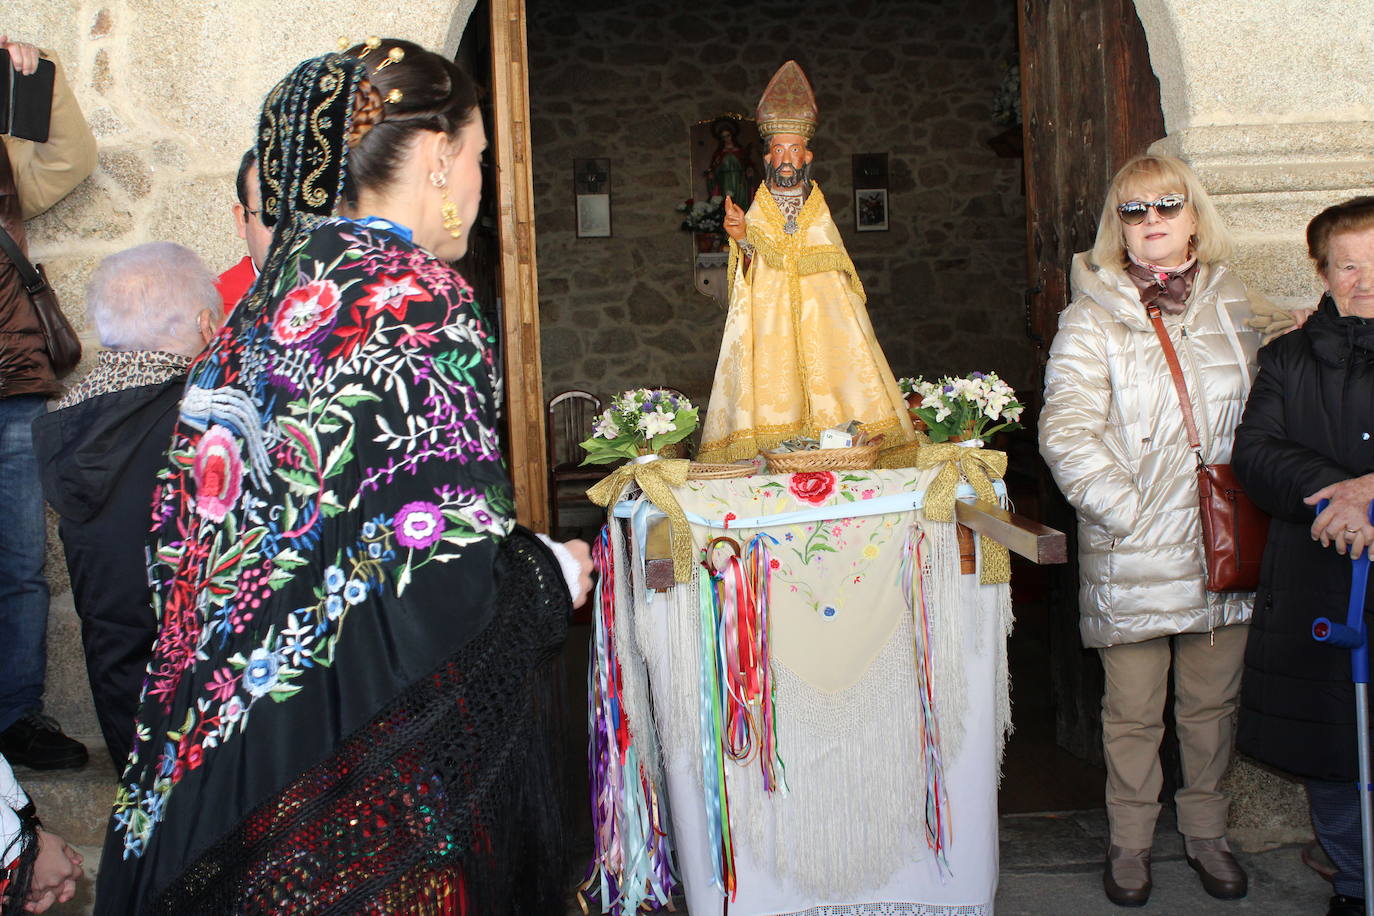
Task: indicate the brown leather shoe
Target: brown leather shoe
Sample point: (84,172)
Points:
(1221,874)
(1126,879)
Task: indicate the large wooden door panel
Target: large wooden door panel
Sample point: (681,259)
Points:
(519,284)
(1089,102)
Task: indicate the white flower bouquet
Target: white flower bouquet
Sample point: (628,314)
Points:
(963,409)
(640,422)
(703,215)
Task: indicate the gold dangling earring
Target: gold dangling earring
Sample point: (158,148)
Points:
(447,208)
(452,222)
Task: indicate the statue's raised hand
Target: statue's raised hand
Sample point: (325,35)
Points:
(734,220)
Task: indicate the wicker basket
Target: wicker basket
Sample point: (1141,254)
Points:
(854,458)
(700,471)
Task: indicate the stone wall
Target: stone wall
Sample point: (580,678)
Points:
(1272,103)
(171,89)
(916,80)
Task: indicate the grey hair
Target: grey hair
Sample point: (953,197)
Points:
(149,297)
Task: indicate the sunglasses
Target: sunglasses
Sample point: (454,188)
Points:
(1133,212)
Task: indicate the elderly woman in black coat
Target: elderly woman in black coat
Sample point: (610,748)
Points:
(1308,435)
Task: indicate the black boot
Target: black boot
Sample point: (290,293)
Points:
(36,741)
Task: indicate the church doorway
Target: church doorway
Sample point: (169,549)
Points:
(968,274)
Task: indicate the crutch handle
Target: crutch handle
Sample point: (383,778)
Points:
(1337,634)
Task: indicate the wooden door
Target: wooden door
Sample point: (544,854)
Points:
(519,291)
(1089,102)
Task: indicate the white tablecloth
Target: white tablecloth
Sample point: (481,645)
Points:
(914,883)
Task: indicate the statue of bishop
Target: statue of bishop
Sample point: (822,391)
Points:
(798,354)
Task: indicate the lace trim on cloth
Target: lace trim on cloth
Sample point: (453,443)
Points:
(892,909)
(829,742)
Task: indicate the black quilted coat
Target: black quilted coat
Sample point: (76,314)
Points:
(1309,423)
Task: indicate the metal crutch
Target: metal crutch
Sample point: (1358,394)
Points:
(1353,635)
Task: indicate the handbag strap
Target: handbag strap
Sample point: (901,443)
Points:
(31,278)
(1175,370)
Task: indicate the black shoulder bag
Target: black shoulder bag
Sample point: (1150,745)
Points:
(64,347)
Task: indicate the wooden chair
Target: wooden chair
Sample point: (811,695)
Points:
(570,417)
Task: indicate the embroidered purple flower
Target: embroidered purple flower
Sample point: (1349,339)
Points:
(481,518)
(418,525)
(218,473)
(261,674)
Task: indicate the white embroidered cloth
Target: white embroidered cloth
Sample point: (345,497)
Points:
(850,836)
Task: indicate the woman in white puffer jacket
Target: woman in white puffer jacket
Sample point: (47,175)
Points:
(1112,432)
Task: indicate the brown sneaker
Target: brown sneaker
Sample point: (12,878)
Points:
(1126,879)
(1221,874)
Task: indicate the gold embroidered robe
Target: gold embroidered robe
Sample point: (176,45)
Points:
(798,353)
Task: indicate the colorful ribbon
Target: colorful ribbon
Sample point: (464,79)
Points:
(978,466)
(654,476)
(736,694)
(631,867)
(939,825)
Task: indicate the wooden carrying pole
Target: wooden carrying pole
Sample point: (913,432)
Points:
(519,276)
(1017,533)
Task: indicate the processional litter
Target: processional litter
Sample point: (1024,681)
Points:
(799,697)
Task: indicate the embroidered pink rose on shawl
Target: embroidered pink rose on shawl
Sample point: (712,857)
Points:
(419,524)
(812,486)
(305,310)
(218,473)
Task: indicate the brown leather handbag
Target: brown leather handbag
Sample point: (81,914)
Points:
(1234,529)
(59,337)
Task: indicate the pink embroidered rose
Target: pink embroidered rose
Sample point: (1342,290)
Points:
(218,473)
(418,525)
(812,486)
(305,310)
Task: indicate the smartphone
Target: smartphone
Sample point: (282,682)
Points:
(26,101)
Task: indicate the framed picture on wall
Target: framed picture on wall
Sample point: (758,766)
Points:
(592,194)
(870,209)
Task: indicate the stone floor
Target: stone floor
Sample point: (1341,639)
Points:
(1051,864)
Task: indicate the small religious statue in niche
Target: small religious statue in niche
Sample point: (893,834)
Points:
(725,162)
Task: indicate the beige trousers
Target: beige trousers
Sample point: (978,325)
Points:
(1207,670)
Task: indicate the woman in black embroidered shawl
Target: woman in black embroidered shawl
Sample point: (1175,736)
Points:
(337,717)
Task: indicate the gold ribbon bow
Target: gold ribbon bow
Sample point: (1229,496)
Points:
(979,466)
(654,478)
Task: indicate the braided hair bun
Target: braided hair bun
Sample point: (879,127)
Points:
(368,111)
(404,90)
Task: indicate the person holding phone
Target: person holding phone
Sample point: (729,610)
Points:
(33,177)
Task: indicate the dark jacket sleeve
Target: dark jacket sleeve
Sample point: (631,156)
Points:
(1279,472)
